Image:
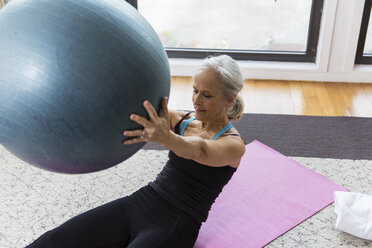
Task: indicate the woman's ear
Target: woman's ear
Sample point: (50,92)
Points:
(231,101)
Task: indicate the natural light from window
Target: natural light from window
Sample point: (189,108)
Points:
(368,44)
(280,25)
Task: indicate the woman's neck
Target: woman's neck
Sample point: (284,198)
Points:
(215,125)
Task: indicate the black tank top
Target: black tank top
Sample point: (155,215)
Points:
(191,186)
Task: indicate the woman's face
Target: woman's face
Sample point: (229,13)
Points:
(207,97)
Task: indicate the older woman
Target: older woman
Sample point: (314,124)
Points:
(204,152)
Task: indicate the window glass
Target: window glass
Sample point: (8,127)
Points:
(368,44)
(280,25)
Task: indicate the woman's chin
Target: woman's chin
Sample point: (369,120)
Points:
(200,115)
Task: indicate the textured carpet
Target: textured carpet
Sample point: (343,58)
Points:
(33,201)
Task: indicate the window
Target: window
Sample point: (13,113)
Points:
(281,30)
(364,50)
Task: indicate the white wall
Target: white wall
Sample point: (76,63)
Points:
(337,47)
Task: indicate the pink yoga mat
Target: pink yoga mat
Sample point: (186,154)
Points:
(268,195)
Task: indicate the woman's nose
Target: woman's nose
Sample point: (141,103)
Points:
(197,99)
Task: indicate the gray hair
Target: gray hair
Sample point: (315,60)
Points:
(232,81)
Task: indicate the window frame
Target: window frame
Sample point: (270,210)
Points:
(360,58)
(133,3)
(261,55)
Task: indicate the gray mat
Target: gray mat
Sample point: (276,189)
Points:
(308,136)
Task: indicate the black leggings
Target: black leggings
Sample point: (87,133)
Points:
(141,220)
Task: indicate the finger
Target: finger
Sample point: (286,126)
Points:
(164,108)
(150,110)
(133,141)
(140,120)
(133,133)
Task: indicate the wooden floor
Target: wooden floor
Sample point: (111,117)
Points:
(290,97)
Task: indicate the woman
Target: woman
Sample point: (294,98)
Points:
(205,151)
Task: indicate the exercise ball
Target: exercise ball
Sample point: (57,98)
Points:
(71,73)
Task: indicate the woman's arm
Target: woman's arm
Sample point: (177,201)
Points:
(225,151)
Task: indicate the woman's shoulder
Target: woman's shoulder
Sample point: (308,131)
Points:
(231,132)
(233,143)
(176,115)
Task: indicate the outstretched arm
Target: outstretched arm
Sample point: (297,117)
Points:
(224,151)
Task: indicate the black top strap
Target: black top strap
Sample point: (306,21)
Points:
(177,127)
(230,134)
(233,134)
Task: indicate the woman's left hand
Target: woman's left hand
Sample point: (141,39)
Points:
(156,129)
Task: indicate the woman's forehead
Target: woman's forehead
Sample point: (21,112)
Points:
(206,79)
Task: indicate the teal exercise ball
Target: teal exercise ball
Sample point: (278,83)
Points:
(71,73)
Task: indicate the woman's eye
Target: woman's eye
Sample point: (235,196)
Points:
(205,95)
